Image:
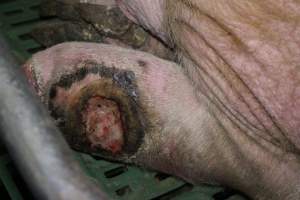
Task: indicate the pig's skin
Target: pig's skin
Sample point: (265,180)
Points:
(145,16)
(204,146)
(242,55)
(248,49)
(241,58)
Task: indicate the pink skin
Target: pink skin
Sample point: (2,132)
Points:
(244,57)
(199,147)
(267,97)
(145,16)
(230,114)
(66,58)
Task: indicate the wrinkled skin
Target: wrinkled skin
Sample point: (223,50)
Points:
(228,113)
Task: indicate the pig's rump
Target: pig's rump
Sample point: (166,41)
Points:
(134,107)
(228,114)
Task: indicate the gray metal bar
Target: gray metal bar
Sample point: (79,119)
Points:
(36,145)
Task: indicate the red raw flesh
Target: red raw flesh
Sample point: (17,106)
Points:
(102,119)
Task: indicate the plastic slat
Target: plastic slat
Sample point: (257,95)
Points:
(29,44)
(152,189)
(193,196)
(13,5)
(23,17)
(20,30)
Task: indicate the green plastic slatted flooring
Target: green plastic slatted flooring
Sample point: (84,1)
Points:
(17,17)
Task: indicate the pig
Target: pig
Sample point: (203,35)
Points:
(103,22)
(226,112)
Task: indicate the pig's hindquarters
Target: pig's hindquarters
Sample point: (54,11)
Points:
(126,105)
(134,107)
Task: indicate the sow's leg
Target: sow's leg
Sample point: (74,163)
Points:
(124,104)
(134,107)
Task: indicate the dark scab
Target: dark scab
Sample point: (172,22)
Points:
(134,94)
(81,74)
(52,93)
(142,63)
(105,72)
(66,81)
(56,112)
(125,80)
(130,76)
(94,70)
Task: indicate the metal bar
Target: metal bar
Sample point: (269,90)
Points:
(36,145)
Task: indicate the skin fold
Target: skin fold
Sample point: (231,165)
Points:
(227,113)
